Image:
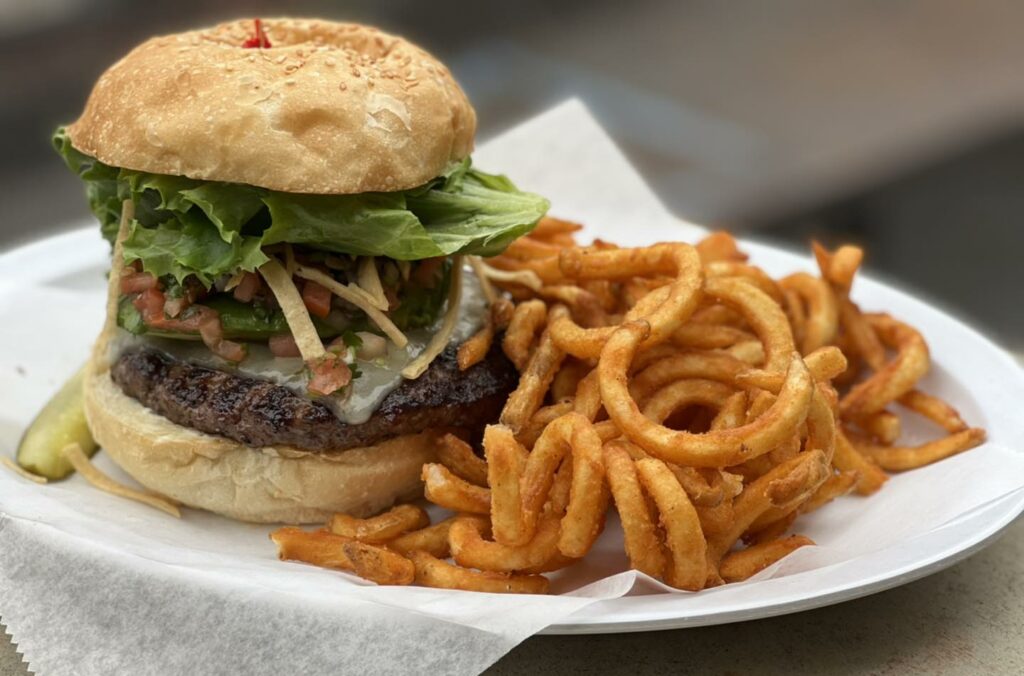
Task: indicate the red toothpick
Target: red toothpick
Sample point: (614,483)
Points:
(258,41)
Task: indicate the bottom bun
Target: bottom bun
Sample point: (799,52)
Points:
(263,485)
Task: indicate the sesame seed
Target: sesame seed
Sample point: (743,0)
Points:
(342,86)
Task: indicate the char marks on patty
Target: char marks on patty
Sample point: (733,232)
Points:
(259,413)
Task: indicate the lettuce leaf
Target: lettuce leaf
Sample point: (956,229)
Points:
(187,227)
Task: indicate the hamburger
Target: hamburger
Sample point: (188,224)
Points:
(290,203)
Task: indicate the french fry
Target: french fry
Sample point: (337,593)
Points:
(319,548)
(434,539)
(379,564)
(432,572)
(643,546)
(687,568)
(458,456)
(903,458)
(746,563)
(381,528)
(447,490)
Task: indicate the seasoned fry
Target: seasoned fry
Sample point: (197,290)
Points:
(379,564)
(822,320)
(642,543)
(458,456)
(469,549)
(717,448)
(895,378)
(319,548)
(535,380)
(432,572)
(936,410)
(683,535)
(474,350)
(381,528)
(903,458)
(711,403)
(447,490)
(527,319)
(748,562)
(434,539)
(870,476)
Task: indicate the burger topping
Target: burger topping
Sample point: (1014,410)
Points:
(299,322)
(444,335)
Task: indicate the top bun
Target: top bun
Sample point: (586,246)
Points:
(329,108)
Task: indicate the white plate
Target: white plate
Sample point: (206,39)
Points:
(68,266)
(80,568)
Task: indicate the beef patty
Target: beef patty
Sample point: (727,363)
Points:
(259,413)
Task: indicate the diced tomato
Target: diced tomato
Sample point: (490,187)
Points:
(283,345)
(317,299)
(247,288)
(425,274)
(151,304)
(137,282)
(328,374)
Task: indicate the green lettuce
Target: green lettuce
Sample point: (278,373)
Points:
(185,227)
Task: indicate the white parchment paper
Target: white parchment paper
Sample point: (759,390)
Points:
(91,584)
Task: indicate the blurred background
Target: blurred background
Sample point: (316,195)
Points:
(898,125)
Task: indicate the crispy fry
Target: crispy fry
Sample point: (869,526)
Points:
(903,458)
(748,562)
(458,456)
(527,319)
(549,226)
(835,486)
(683,535)
(749,273)
(447,490)
(870,476)
(319,548)
(381,528)
(529,434)
(882,425)
(822,321)
(474,349)
(934,409)
(791,482)
(710,402)
(469,549)
(824,364)
(434,539)
(535,380)
(432,572)
(641,537)
(720,246)
(718,448)
(379,564)
(894,379)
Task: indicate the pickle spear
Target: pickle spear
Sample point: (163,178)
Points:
(61,422)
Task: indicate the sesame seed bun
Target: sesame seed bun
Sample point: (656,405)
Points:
(329,108)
